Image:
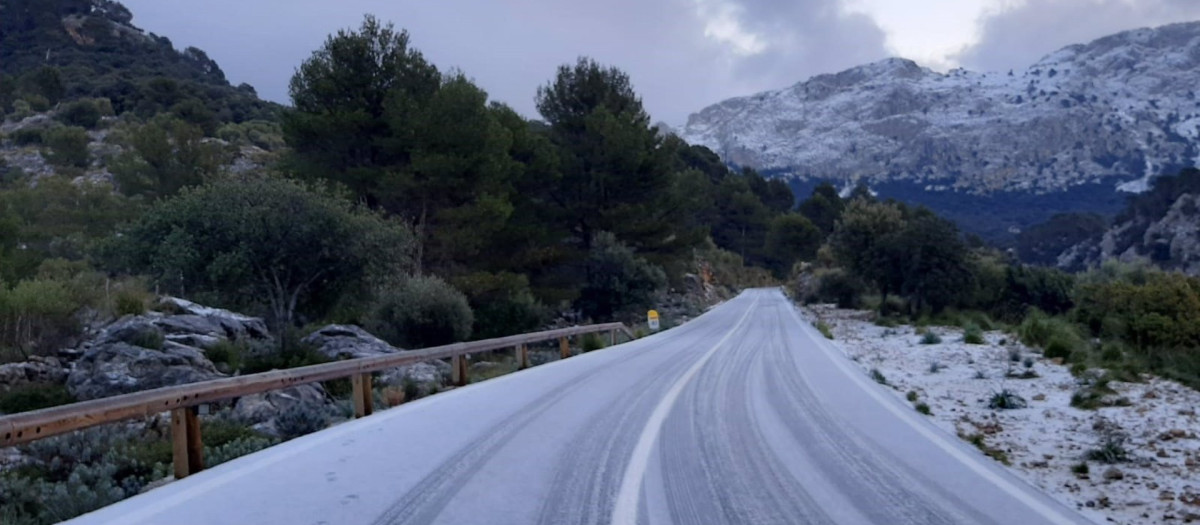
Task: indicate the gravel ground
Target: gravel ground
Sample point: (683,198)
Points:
(1046,442)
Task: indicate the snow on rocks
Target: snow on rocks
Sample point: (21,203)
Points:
(1048,442)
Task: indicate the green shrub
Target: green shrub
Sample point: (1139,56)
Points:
(299,420)
(617,280)
(1080,468)
(1111,447)
(82,113)
(824,329)
(228,356)
(1057,337)
(27,137)
(924,409)
(37,316)
(34,397)
(973,335)
(878,377)
(68,147)
(840,287)
(911,396)
(216,454)
(1006,400)
(1059,347)
(420,312)
(289,353)
(502,303)
(151,339)
(131,298)
(592,342)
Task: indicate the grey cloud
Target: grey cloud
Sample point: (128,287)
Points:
(1019,37)
(512,46)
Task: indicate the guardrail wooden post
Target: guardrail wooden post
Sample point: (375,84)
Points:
(522,357)
(612,338)
(187,448)
(459,373)
(182,400)
(364,399)
(564,347)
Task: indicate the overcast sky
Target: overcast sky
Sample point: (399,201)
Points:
(682,54)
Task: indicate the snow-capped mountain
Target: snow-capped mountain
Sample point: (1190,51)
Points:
(1114,112)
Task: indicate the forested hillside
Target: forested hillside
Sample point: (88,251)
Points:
(391,194)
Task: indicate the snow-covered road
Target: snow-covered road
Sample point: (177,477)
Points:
(744,415)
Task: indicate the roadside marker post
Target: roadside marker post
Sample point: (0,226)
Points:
(652,320)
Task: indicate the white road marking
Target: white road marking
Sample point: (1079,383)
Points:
(629,496)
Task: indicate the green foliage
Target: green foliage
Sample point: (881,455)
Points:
(68,147)
(27,136)
(228,356)
(840,287)
(420,312)
(150,339)
(289,353)
(973,335)
(301,419)
(592,342)
(1080,468)
(503,304)
(229,241)
(131,300)
(1057,337)
(618,281)
(1111,447)
(69,475)
(1006,400)
(56,219)
(824,329)
(34,397)
(264,134)
(82,113)
(878,377)
(824,208)
(215,454)
(923,408)
(930,338)
(165,155)
(790,238)
(36,316)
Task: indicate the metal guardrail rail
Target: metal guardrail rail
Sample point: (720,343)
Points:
(182,401)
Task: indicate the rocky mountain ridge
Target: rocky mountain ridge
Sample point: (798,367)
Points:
(1122,107)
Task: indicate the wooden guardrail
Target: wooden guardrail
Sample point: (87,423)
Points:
(182,401)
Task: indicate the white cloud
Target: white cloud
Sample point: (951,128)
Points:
(722,24)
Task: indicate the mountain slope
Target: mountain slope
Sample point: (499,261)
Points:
(1114,112)
(1161,226)
(95,51)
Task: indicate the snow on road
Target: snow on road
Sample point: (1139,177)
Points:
(742,416)
(1044,442)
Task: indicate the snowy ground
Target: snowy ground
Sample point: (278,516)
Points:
(1048,440)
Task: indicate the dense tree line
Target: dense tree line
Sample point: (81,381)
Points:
(521,213)
(406,183)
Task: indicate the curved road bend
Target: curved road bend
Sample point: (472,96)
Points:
(742,416)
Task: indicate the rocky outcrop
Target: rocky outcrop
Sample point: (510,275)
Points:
(348,342)
(262,410)
(338,341)
(158,349)
(115,368)
(36,371)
